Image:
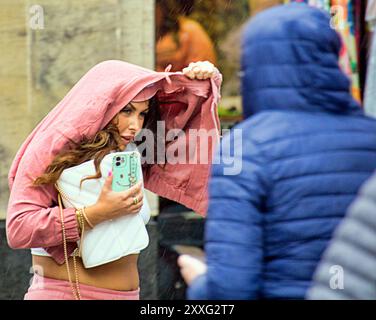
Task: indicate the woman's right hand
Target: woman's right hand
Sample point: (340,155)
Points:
(113,204)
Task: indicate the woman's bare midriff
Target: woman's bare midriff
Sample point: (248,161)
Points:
(119,275)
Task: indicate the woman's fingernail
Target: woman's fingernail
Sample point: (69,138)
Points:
(109,173)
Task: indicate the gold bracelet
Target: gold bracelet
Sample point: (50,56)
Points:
(86,218)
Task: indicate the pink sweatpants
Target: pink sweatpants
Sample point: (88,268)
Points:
(43,288)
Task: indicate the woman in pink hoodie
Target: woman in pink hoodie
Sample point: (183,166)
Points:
(103,113)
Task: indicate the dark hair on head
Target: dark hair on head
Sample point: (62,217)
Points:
(172,9)
(151,123)
(184,7)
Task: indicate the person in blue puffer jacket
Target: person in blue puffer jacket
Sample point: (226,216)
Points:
(307,147)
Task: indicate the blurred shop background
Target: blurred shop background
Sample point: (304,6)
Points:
(47,45)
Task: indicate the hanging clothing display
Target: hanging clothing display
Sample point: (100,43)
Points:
(344,12)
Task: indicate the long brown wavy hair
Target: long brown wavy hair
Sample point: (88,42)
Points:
(95,148)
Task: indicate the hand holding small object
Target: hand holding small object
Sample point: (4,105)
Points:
(190,268)
(111,204)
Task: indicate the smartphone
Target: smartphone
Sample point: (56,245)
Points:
(125,170)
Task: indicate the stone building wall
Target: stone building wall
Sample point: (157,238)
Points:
(47,48)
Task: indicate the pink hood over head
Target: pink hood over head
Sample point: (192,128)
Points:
(87,108)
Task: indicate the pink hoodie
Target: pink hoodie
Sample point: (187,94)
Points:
(33,217)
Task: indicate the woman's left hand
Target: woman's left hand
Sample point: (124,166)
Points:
(200,70)
(190,268)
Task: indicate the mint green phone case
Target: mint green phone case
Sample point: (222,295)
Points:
(125,170)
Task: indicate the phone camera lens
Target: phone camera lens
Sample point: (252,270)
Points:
(117,164)
(117,158)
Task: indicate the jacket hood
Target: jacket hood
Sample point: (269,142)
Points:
(290,61)
(100,94)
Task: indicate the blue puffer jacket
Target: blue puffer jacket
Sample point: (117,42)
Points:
(306,149)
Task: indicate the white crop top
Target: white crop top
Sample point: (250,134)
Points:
(111,239)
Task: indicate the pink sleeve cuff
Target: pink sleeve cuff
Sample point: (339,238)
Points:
(71,225)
